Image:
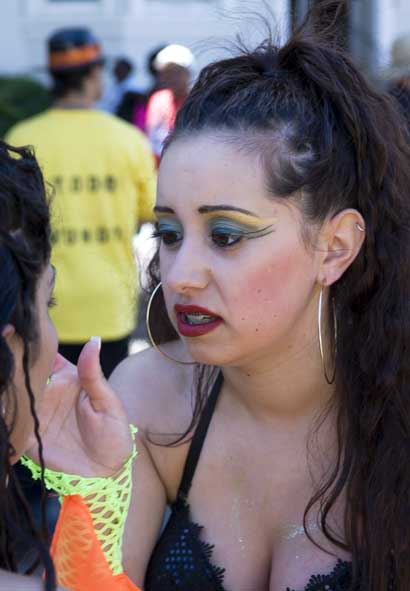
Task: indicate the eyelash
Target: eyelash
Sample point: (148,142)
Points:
(171,237)
(221,234)
(52,302)
(162,234)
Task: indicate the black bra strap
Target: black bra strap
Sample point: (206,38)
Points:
(198,439)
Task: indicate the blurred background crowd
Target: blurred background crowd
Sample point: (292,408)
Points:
(94,86)
(131,31)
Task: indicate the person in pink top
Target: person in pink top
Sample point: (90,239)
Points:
(174,65)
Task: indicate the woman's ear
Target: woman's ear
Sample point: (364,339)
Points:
(341,239)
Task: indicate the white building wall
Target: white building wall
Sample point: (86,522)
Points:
(376,25)
(125,27)
(13,51)
(133,27)
(393,21)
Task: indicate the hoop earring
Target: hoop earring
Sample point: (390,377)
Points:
(151,338)
(319,324)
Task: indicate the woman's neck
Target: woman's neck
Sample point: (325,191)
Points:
(287,385)
(75,100)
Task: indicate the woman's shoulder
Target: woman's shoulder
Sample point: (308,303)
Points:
(155,391)
(156,394)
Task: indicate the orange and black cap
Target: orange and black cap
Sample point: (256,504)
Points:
(72,49)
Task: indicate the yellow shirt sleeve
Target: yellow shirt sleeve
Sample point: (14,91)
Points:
(146,182)
(12,138)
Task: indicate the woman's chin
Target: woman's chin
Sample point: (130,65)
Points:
(192,350)
(209,354)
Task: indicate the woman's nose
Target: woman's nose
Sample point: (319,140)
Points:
(188,271)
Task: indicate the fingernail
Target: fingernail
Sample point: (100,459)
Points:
(97,340)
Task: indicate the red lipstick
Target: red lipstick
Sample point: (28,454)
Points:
(195,321)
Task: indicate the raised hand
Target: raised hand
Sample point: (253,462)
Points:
(83,425)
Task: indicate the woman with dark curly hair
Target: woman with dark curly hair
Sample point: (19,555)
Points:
(89,416)
(274,408)
(28,344)
(284,226)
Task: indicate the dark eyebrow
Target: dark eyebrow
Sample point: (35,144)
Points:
(214,208)
(161,209)
(208,209)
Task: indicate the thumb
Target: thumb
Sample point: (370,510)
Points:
(91,377)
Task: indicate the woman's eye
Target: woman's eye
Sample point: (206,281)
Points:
(225,239)
(168,237)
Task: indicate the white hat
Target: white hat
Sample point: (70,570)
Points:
(174,54)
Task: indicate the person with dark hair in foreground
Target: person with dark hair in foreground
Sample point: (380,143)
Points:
(28,356)
(28,344)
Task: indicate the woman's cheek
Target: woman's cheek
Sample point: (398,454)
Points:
(273,292)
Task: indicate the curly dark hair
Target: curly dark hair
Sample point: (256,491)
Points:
(24,254)
(325,134)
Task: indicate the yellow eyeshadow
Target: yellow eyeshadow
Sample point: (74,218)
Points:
(242,218)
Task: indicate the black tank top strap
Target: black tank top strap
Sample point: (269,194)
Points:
(198,439)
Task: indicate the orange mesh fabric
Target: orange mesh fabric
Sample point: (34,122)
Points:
(78,557)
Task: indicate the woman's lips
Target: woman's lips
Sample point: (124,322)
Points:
(195,321)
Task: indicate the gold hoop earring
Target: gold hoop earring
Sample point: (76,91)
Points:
(151,338)
(321,348)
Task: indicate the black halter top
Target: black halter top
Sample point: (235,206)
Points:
(181,561)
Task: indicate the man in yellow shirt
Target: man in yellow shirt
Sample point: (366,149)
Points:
(102,172)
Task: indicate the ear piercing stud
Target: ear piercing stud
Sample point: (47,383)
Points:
(359,227)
